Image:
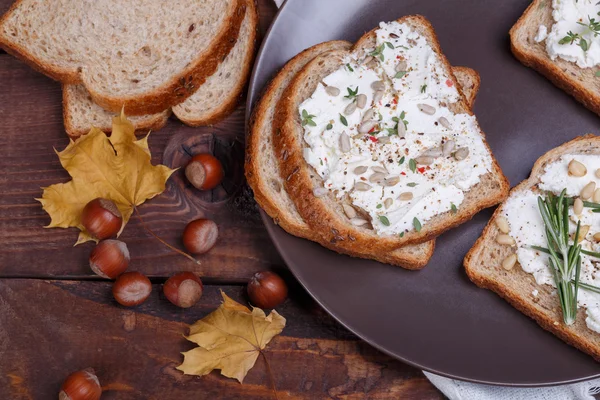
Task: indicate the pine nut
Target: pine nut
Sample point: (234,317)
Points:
(596,197)
(332,91)
(502,224)
(406,196)
(320,192)
(426,108)
(578,206)
(588,191)
(509,262)
(505,240)
(349,211)
(577,169)
(361,101)
(350,108)
(388,203)
(583,231)
(360,170)
(378,85)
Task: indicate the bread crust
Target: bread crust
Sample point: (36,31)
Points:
(316,212)
(483,265)
(563,74)
(229,104)
(174,91)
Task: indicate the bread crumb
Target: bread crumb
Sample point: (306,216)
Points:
(535,293)
(555,323)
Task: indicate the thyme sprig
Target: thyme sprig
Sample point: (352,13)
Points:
(565,258)
(307,119)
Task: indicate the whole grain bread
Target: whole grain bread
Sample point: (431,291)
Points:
(581,83)
(483,264)
(262,168)
(325,214)
(143,55)
(216,98)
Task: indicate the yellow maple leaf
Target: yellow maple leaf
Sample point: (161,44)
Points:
(230,339)
(118,168)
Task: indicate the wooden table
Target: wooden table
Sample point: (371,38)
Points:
(57,317)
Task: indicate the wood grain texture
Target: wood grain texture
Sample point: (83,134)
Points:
(52,328)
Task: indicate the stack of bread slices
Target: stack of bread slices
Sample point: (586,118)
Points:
(151,59)
(296,195)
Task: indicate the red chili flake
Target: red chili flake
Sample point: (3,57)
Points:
(372,130)
(403,173)
(373,139)
(421,169)
(395,101)
(449,83)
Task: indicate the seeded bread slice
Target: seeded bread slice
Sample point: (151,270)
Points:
(325,214)
(483,264)
(216,98)
(581,83)
(262,168)
(145,56)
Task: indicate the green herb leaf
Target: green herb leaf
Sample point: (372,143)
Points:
(349,67)
(412,164)
(379,206)
(423,88)
(351,93)
(329,126)
(417,224)
(343,120)
(453,208)
(390,45)
(402,115)
(597,74)
(583,44)
(399,74)
(401,161)
(401,234)
(307,119)
(384,220)
(411,184)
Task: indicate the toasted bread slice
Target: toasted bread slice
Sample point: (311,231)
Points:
(483,264)
(262,169)
(581,83)
(212,101)
(325,214)
(141,56)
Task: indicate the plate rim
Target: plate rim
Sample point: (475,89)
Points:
(253,94)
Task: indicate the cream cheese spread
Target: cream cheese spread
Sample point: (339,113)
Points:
(404,156)
(527,228)
(573,36)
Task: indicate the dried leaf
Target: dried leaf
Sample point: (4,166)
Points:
(230,339)
(118,168)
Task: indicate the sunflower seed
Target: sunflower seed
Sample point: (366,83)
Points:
(361,101)
(377,177)
(509,262)
(380,169)
(320,192)
(448,147)
(349,211)
(433,152)
(444,122)
(367,60)
(461,153)
(378,85)
(344,143)
(388,203)
(424,160)
(350,108)
(401,66)
(361,169)
(384,139)
(377,96)
(426,108)
(401,129)
(392,181)
(366,126)
(332,91)
(406,196)
(596,197)
(361,186)
(369,114)
(372,64)
(394,36)
(358,221)
(577,169)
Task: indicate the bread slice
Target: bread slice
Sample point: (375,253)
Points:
(145,56)
(483,265)
(581,83)
(325,214)
(262,168)
(217,97)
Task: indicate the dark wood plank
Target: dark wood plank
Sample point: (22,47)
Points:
(51,328)
(31,126)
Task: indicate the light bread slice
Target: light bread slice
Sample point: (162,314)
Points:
(483,264)
(216,98)
(262,168)
(325,214)
(581,83)
(142,55)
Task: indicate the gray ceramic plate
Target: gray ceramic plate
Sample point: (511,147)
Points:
(436,319)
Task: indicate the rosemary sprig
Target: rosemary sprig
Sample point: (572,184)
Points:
(565,259)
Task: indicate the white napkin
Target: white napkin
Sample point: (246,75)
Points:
(459,390)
